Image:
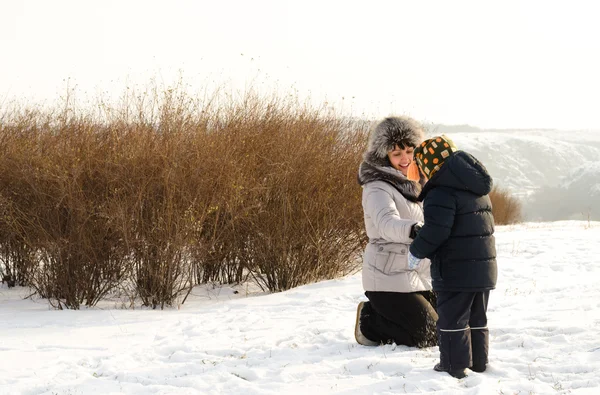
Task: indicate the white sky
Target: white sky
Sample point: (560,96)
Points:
(488,64)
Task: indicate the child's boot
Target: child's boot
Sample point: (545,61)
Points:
(456,373)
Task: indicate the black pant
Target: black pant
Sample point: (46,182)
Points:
(401,318)
(463,336)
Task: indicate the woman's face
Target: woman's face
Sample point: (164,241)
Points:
(401,158)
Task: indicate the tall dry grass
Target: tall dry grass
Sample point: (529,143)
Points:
(167,190)
(507,209)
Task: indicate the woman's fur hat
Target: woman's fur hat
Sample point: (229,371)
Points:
(400,131)
(392,131)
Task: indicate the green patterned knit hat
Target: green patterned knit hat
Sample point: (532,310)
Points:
(431,154)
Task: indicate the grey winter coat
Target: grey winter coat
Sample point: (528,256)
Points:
(390,208)
(389,217)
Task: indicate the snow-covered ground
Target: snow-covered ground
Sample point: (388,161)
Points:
(544,320)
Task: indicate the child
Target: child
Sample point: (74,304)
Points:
(457,237)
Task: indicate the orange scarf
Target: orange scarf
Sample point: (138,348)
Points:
(413,171)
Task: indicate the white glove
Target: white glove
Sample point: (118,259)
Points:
(413,261)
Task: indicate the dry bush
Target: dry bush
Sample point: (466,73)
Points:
(506,208)
(164,207)
(289,209)
(58,185)
(17,260)
(309,223)
(167,190)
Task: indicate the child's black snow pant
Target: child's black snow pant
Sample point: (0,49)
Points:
(463,336)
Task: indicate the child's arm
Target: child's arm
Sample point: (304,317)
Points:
(380,206)
(439,209)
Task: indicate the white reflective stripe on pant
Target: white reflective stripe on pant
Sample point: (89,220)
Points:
(463,329)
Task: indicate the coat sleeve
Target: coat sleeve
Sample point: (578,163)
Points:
(380,206)
(439,209)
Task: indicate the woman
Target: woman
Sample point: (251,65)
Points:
(399,309)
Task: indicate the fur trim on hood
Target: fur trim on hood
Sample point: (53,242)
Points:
(376,166)
(387,134)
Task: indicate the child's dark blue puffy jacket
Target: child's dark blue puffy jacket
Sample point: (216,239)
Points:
(458,234)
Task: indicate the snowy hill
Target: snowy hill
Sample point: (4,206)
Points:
(556,173)
(544,320)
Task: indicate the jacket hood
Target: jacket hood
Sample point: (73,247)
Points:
(461,171)
(387,134)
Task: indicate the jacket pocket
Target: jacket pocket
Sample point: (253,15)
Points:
(392,262)
(381,261)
